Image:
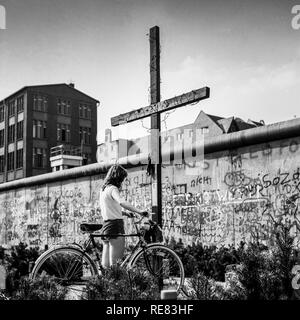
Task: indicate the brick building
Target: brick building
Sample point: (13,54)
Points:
(36,118)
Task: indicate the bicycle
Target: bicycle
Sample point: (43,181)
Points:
(73,266)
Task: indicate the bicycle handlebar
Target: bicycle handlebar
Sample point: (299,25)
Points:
(152,223)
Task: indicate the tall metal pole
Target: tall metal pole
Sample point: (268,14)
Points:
(155,124)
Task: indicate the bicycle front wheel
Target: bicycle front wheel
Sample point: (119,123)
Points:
(70,267)
(162,265)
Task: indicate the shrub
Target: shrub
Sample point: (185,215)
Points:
(3,296)
(117,283)
(285,258)
(210,261)
(200,287)
(41,288)
(249,275)
(17,265)
(266,273)
(231,290)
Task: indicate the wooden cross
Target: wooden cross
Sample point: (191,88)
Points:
(154,110)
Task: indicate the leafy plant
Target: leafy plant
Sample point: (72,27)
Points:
(200,287)
(3,296)
(117,283)
(285,259)
(17,265)
(231,290)
(41,288)
(212,261)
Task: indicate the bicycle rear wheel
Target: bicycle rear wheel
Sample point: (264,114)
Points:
(162,265)
(70,267)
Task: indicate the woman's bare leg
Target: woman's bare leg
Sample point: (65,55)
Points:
(105,255)
(116,249)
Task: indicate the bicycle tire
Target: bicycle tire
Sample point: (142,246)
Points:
(170,274)
(75,276)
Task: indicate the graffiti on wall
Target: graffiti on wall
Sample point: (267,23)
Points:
(240,200)
(238,195)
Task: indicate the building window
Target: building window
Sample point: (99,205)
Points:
(179,136)
(1,113)
(63,132)
(20,127)
(87,158)
(204,130)
(11,133)
(40,103)
(85,111)
(2,163)
(64,107)
(39,158)
(19,159)
(39,129)
(11,161)
(2,138)
(85,135)
(20,104)
(11,108)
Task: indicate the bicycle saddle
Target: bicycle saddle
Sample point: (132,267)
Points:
(90,227)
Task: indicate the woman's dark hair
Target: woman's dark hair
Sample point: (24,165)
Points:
(115,176)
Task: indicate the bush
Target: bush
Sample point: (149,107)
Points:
(3,296)
(212,262)
(266,273)
(252,263)
(17,265)
(200,287)
(285,258)
(117,283)
(231,290)
(41,288)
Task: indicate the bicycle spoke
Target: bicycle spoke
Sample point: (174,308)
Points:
(68,266)
(162,265)
(57,258)
(52,263)
(71,267)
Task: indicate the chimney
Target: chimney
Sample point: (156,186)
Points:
(72,84)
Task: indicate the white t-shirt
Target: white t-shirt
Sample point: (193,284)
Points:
(110,200)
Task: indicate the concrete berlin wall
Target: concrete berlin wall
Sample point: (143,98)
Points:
(235,195)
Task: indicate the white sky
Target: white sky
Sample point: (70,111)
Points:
(247,53)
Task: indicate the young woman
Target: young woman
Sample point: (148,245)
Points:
(111,204)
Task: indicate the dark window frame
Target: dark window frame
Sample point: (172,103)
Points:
(20,130)
(20,159)
(11,161)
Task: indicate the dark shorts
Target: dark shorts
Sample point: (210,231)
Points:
(111,228)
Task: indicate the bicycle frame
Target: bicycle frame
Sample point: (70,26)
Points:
(140,245)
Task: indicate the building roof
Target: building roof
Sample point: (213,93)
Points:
(226,123)
(49,85)
(214,118)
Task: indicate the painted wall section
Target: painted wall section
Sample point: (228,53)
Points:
(238,195)
(234,195)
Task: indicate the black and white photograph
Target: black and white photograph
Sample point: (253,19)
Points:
(150,154)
